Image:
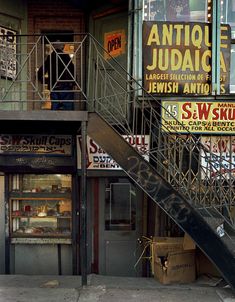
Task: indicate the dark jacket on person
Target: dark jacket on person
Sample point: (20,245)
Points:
(60,69)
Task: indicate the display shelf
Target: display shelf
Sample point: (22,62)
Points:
(28,240)
(40,206)
(58,236)
(38,217)
(47,195)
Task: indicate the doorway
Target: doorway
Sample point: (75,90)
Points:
(120,226)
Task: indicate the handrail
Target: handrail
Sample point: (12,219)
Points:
(205,178)
(102,84)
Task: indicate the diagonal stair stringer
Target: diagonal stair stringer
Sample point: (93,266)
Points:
(162,193)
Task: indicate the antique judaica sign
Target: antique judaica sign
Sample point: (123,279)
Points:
(177,58)
(199,116)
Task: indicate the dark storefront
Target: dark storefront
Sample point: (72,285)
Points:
(41,202)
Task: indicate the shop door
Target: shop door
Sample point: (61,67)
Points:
(119,228)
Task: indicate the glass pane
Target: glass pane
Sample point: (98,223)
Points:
(232,70)
(40,205)
(120,204)
(228,14)
(40,217)
(176,10)
(120,208)
(26,183)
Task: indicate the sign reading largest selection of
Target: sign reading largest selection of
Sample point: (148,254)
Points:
(199,116)
(177,58)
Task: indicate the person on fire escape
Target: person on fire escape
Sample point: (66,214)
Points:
(60,78)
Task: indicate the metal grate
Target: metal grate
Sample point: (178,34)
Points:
(190,165)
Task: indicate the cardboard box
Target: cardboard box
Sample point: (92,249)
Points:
(163,245)
(188,243)
(178,267)
(173,264)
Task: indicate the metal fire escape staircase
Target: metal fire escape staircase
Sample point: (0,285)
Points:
(194,186)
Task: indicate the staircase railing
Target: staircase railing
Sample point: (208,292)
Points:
(206,179)
(23,87)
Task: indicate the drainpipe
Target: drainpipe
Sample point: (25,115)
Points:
(130,54)
(135,39)
(134,58)
(130,38)
(216,47)
(138,38)
(83,209)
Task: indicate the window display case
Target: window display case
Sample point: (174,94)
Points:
(40,206)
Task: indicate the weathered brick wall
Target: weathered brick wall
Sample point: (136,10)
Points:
(53,16)
(49,15)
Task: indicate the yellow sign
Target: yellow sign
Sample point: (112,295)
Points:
(199,116)
(177,58)
(114,43)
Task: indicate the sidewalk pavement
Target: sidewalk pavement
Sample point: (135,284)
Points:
(21,288)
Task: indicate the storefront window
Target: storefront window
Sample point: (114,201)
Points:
(40,206)
(232,71)
(176,10)
(228,14)
(45,183)
(228,17)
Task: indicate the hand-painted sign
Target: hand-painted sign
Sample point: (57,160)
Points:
(220,158)
(36,144)
(114,43)
(199,116)
(98,159)
(7,53)
(177,58)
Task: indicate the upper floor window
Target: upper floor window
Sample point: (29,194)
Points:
(176,10)
(228,14)
(228,17)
